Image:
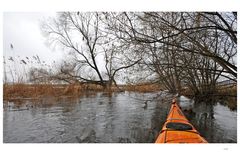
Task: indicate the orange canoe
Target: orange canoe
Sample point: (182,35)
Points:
(177,129)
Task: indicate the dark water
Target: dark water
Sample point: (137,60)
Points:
(119,118)
(216,122)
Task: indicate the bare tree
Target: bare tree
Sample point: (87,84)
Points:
(192,49)
(79,33)
(85,36)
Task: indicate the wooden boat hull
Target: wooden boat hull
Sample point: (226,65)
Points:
(177,129)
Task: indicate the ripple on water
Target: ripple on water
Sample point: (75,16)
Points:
(116,118)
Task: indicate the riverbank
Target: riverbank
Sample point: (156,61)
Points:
(18,92)
(226,94)
(35,91)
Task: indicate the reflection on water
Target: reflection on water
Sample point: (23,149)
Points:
(216,122)
(118,118)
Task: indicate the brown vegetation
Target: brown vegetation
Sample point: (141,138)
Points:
(226,94)
(143,87)
(36,91)
(221,91)
(19,91)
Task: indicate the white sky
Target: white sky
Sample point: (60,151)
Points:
(22,30)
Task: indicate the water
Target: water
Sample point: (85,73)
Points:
(216,122)
(118,118)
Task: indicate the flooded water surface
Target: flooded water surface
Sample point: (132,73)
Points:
(117,118)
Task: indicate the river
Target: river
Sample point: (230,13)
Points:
(111,118)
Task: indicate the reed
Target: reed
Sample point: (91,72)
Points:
(21,90)
(145,87)
(18,91)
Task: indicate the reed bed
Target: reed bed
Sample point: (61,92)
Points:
(142,88)
(23,91)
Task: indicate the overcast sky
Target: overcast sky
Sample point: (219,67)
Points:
(22,30)
(22,39)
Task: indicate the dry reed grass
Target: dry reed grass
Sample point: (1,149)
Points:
(228,90)
(18,91)
(227,94)
(142,87)
(21,91)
